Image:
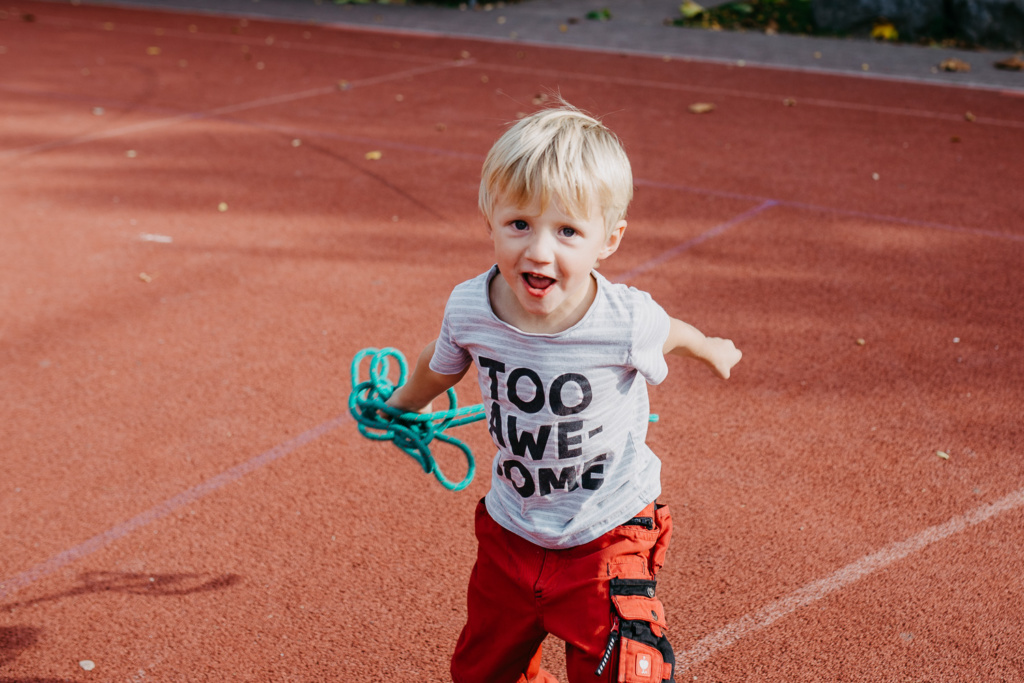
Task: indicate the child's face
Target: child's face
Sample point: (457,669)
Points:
(545,258)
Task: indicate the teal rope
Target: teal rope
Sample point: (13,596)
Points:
(411,432)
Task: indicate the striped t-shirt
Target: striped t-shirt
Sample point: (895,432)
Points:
(567,411)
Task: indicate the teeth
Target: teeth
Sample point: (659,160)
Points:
(538,281)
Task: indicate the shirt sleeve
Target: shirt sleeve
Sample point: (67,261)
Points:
(650,330)
(449,358)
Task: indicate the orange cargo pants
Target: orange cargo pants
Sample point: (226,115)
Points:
(520,592)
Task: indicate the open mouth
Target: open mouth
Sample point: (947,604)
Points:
(537,284)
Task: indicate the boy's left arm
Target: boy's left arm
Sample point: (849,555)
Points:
(687,341)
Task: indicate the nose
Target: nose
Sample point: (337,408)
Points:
(541,247)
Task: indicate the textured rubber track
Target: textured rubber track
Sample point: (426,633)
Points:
(181,498)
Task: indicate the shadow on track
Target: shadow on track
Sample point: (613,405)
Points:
(134,584)
(14,639)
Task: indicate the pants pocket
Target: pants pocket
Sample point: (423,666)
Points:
(645,655)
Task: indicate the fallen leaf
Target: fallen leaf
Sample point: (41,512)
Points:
(563,28)
(969,116)
(789,102)
(884,31)
(1014,63)
(131,154)
(603,14)
(955,138)
(344,85)
(98,111)
(87,665)
(145,278)
(772,28)
(152,51)
(28,17)
(296,142)
(540,99)
(690,9)
(954,64)
(441,127)
(942,454)
(861,342)
(222,207)
(701,107)
(374,155)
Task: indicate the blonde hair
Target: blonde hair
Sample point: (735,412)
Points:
(559,152)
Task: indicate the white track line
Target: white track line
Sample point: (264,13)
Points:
(227,109)
(669,254)
(256,41)
(11,585)
(749,94)
(560,74)
(755,621)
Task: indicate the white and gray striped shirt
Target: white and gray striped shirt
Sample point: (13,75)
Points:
(565,410)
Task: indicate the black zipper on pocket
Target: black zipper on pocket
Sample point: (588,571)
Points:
(645,522)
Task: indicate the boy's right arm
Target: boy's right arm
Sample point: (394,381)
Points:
(424,385)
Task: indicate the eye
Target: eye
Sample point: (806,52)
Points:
(567,231)
(520,225)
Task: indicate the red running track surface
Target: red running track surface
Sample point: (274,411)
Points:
(183,498)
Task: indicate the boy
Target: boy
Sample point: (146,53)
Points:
(570,538)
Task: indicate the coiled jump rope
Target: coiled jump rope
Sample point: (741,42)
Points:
(411,432)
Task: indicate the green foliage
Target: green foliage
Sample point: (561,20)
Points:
(787,16)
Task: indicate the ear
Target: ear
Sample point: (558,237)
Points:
(613,241)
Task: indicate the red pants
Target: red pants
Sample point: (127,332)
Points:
(520,592)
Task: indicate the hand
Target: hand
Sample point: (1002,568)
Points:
(721,355)
(395,401)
